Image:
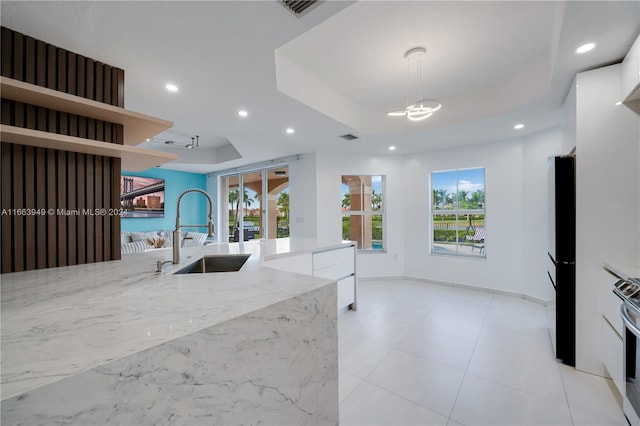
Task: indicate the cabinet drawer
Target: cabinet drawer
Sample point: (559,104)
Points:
(333,257)
(346,292)
(335,272)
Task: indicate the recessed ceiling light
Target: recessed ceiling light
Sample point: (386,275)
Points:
(392,148)
(518,126)
(585,48)
(618,103)
(171,87)
(290,131)
(243,113)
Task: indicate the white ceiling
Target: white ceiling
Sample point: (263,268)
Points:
(336,70)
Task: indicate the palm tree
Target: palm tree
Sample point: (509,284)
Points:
(462,198)
(233,198)
(346,201)
(247,200)
(477,199)
(283,203)
(442,197)
(376,200)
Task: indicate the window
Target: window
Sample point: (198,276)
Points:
(263,209)
(458,212)
(363,211)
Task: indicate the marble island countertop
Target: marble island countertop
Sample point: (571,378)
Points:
(62,321)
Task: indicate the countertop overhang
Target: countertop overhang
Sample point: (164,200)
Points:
(62,321)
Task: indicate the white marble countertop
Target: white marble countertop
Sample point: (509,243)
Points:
(281,247)
(623,270)
(62,321)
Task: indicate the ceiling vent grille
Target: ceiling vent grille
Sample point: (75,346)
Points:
(348,137)
(299,7)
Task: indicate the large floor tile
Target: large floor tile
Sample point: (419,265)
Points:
(518,306)
(401,313)
(470,298)
(479,358)
(534,375)
(432,385)
(597,417)
(359,356)
(516,335)
(471,312)
(586,392)
(371,405)
(347,383)
(378,327)
(452,324)
(438,346)
(483,402)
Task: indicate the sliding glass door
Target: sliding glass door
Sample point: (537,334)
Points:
(256,203)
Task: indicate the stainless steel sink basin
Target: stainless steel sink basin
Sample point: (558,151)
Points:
(216,263)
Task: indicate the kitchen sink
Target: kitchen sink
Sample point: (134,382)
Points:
(216,263)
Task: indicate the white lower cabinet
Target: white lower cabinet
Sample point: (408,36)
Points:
(337,264)
(346,292)
(613,354)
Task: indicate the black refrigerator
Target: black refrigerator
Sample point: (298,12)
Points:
(562,255)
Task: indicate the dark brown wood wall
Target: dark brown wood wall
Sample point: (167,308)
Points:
(56,204)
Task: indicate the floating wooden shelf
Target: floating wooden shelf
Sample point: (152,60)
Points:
(133,158)
(137,127)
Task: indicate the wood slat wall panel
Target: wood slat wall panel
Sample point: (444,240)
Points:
(41,202)
(81,198)
(90,204)
(72,206)
(116,167)
(17,202)
(30,237)
(61,204)
(6,44)
(6,200)
(98,222)
(45,179)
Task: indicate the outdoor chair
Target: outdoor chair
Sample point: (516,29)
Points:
(477,239)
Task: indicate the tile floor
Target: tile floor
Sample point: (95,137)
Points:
(421,354)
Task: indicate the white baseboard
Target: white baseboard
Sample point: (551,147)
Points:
(462,286)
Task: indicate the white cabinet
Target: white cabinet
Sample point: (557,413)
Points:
(339,265)
(612,332)
(336,263)
(613,356)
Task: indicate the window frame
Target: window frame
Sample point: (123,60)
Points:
(459,214)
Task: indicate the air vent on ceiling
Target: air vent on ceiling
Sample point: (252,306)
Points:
(348,137)
(299,7)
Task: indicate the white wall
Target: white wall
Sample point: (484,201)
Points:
(515,193)
(330,169)
(607,200)
(302,197)
(516,212)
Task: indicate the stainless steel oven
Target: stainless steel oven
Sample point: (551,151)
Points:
(629,292)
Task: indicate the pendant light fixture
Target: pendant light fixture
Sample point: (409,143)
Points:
(421,108)
(194,142)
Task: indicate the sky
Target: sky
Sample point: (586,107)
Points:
(470,180)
